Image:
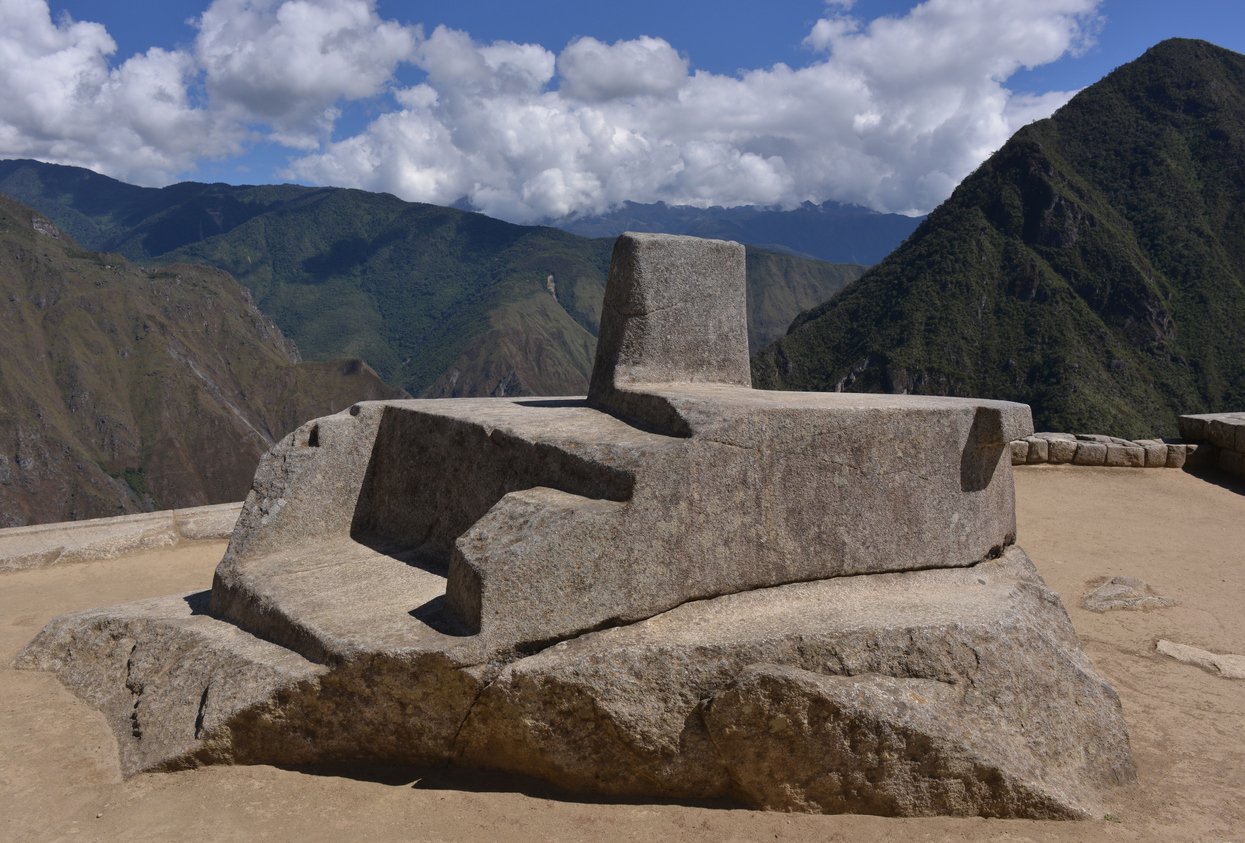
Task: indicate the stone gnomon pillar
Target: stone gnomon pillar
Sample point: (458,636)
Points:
(623,594)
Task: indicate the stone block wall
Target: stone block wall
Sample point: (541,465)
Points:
(1097,450)
(1221,437)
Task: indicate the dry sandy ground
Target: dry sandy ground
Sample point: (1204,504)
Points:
(1183,535)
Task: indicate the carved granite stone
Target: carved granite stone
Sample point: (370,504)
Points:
(621,593)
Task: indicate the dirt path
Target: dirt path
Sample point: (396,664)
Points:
(1185,537)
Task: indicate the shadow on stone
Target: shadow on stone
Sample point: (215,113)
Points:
(198,602)
(554,403)
(416,557)
(438,615)
(982,450)
(1214,476)
(471,780)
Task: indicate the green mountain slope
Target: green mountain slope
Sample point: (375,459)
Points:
(1094,267)
(439,301)
(126,388)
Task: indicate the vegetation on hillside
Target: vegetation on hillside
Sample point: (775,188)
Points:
(126,388)
(1094,267)
(439,301)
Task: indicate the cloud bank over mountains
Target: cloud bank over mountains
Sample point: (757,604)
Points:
(889,113)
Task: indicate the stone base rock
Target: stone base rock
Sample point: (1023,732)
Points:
(868,745)
(168,678)
(958,690)
(658,707)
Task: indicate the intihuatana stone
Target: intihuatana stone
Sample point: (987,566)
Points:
(610,593)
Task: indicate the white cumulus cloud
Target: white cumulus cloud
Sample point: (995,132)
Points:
(594,71)
(65,103)
(272,69)
(889,113)
(287,63)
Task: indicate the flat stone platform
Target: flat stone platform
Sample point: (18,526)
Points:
(42,545)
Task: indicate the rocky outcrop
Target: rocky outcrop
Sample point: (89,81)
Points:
(677,587)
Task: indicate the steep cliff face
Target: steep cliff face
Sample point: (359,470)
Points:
(1094,267)
(124,388)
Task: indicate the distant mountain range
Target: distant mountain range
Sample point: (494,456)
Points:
(829,231)
(439,301)
(125,388)
(1094,267)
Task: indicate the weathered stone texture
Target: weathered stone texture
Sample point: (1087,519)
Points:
(798,740)
(1090,453)
(624,709)
(168,678)
(42,545)
(1124,593)
(1127,456)
(1222,439)
(624,594)
(1096,449)
(1062,451)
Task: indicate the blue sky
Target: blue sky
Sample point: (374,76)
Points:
(538,109)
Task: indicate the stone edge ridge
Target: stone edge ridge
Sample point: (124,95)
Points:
(1093,449)
(44,545)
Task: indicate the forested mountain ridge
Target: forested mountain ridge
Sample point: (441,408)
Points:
(439,301)
(126,388)
(830,231)
(1093,267)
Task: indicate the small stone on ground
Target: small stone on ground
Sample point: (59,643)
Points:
(1124,593)
(1227,665)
